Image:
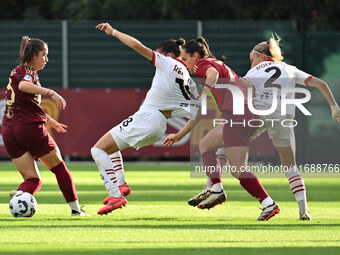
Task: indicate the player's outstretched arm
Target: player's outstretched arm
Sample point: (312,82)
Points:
(127,40)
(327,93)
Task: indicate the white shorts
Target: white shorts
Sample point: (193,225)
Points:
(144,128)
(281,136)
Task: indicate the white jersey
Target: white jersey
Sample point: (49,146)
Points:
(172,88)
(269,74)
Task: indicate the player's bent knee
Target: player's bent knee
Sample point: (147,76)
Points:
(279,142)
(96,152)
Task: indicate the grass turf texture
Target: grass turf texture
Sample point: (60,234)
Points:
(158,220)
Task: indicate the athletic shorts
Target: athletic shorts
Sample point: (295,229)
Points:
(280,135)
(144,128)
(237,132)
(32,137)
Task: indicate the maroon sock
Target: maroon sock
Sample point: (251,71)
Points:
(210,163)
(65,182)
(252,184)
(31,185)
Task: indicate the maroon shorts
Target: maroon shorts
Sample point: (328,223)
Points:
(237,132)
(32,137)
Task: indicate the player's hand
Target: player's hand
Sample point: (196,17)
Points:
(57,126)
(61,103)
(171,139)
(106,27)
(335,113)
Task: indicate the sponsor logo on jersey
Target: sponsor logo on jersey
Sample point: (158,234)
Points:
(27,77)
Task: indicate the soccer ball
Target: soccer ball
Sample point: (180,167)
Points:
(23,204)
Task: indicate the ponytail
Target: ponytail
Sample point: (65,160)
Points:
(29,48)
(199,45)
(270,49)
(274,48)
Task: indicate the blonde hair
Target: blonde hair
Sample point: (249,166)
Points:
(271,48)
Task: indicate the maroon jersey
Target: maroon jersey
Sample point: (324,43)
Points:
(226,76)
(22,107)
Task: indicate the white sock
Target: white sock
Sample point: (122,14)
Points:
(303,206)
(118,167)
(217,187)
(107,173)
(208,184)
(296,184)
(267,202)
(222,160)
(74,205)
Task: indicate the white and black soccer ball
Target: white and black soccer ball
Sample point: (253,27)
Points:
(23,204)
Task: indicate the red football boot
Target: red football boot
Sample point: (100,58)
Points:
(125,190)
(113,203)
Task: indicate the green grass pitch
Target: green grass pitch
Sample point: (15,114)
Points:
(158,220)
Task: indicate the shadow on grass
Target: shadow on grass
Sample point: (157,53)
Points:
(161,223)
(180,193)
(189,251)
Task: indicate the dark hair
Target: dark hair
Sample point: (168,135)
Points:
(172,46)
(199,45)
(29,48)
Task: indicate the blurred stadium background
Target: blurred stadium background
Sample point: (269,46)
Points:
(103,81)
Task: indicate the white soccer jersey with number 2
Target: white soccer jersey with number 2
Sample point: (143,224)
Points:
(268,75)
(172,88)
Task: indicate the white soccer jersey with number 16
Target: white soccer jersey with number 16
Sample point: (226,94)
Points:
(270,74)
(172,88)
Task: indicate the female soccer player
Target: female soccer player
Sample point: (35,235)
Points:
(268,72)
(235,140)
(173,94)
(24,124)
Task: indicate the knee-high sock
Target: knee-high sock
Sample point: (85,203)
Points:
(31,185)
(106,170)
(118,167)
(252,184)
(210,164)
(65,182)
(296,184)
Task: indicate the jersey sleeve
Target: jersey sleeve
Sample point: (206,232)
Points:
(202,67)
(21,75)
(301,77)
(160,61)
(248,75)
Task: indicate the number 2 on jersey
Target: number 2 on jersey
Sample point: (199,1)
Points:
(270,82)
